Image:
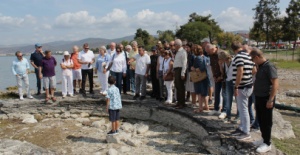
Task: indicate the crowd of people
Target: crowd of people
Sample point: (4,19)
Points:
(248,77)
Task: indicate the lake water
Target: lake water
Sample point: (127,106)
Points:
(7,78)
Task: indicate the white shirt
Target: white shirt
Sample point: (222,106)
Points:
(86,57)
(111,52)
(160,60)
(229,71)
(141,63)
(67,71)
(181,60)
(166,65)
(119,63)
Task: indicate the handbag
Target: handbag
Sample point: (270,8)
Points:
(197,76)
(169,76)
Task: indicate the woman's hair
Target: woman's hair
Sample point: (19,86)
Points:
(128,46)
(198,50)
(103,48)
(118,48)
(168,52)
(224,55)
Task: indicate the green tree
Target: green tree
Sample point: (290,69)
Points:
(226,38)
(266,12)
(142,37)
(256,33)
(167,35)
(291,26)
(199,27)
(124,43)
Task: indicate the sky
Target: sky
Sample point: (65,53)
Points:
(32,21)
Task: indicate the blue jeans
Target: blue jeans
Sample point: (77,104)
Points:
(38,80)
(132,79)
(242,104)
(218,88)
(229,97)
(118,76)
(253,120)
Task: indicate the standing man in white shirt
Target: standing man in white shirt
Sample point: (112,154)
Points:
(67,76)
(86,57)
(143,62)
(180,63)
(20,68)
(112,49)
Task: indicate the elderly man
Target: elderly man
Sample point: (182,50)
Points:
(47,73)
(218,78)
(126,82)
(132,53)
(86,58)
(35,60)
(141,72)
(180,64)
(265,88)
(20,68)
(242,79)
(112,49)
(77,76)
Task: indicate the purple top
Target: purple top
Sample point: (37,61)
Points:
(48,66)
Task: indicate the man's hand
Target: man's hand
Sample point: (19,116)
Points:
(183,77)
(269,104)
(104,70)
(236,93)
(41,76)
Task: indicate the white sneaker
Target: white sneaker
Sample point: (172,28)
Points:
(222,115)
(64,96)
(30,97)
(214,112)
(263,148)
(21,98)
(71,95)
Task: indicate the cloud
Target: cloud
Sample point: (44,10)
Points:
(117,15)
(10,21)
(234,19)
(205,13)
(77,19)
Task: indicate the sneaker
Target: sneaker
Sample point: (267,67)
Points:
(142,97)
(21,98)
(222,115)
(117,132)
(263,148)
(237,132)
(30,97)
(243,136)
(136,97)
(38,93)
(64,96)
(226,120)
(111,133)
(71,95)
(214,112)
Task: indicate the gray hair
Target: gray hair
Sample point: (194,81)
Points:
(210,46)
(75,47)
(113,43)
(178,42)
(103,48)
(128,46)
(18,52)
(134,43)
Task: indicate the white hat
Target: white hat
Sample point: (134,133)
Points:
(66,53)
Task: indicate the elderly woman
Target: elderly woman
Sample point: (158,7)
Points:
(67,76)
(168,70)
(201,87)
(101,63)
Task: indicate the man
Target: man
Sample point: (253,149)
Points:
(35,60)
(218,78)
(242,79)
(132,53)
(159,72)
(141,72)
(112,49)
(86,58)
(126,82)
(265,88)
(20,68)
(204,42)
(154,80)
(76,68)
(47,73)
(180,64)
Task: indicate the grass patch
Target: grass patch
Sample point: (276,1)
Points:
(284,64)
(290,146)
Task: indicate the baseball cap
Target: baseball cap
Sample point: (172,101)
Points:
(153,48)
(38,45)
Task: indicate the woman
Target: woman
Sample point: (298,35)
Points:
(101,63)
(189,86)
(159,72)
(168,70)
(201,87)
(117,67)
(67,76)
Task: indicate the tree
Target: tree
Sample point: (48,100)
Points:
(292,22)
(256,33)
(167,35)
(226,38)
(266,11)
(124,43)
(199,27)
(142,37)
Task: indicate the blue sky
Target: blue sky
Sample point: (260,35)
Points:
(31,21)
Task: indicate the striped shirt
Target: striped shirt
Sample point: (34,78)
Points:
(242,59)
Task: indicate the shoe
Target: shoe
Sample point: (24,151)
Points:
(21,98)
(116,132)
(226,120)
(236,120)
(222,115)
(64,96)
(214,112)
(71,95)
(237,132)
(81,91)
(142,97)
(38,93)
(174,101)
(263,148)
(30,97)
(136,97)
(74,91)
(243,136)
(111,133)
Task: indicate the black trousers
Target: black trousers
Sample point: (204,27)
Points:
(264,117)
(90,74)
(38,80)
(126,82)
(155,84)
(180,88)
